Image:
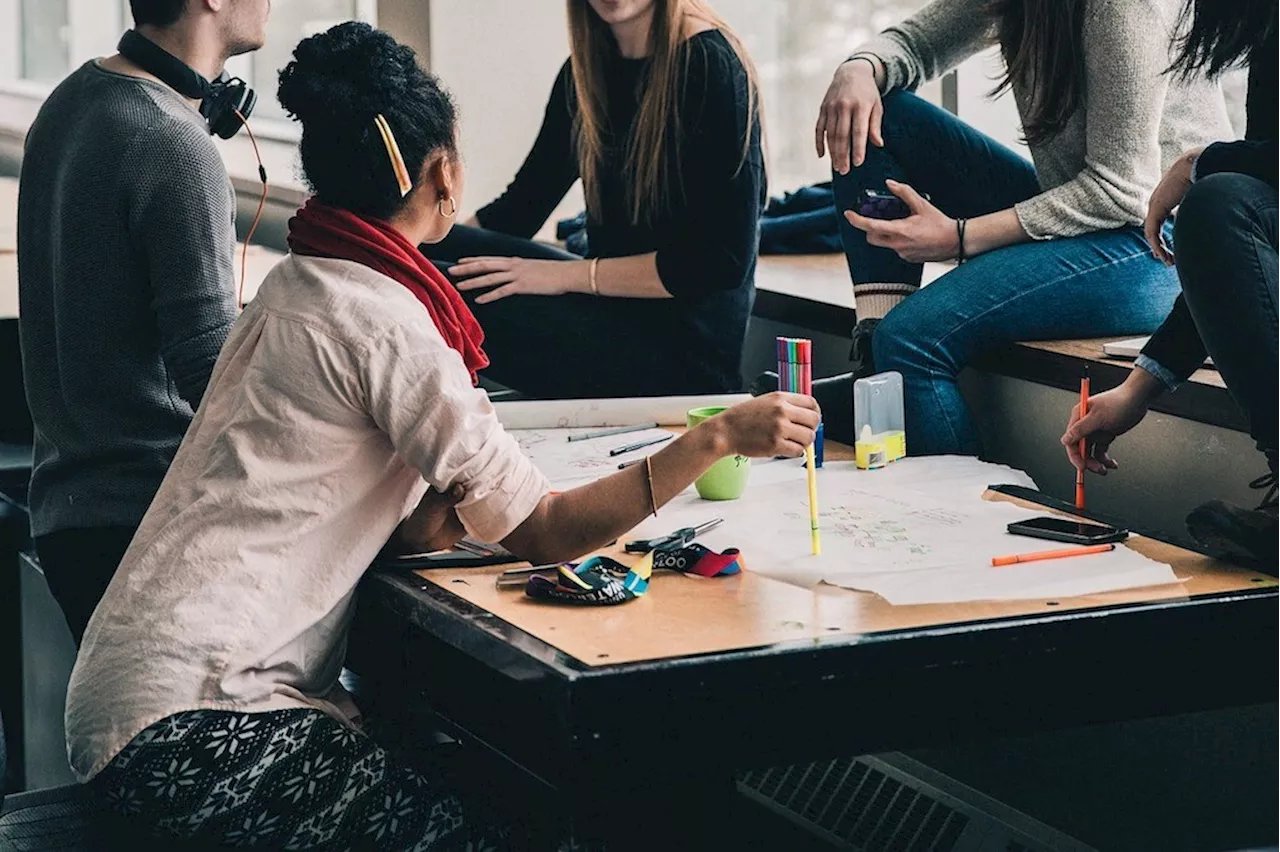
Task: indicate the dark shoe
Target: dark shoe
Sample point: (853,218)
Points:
(1246,537)
(763,384)
(861,354)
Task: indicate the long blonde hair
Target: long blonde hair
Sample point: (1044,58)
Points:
(652,152)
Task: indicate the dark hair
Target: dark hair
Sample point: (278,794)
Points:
(1042,44)
(336,84)
(1216,35)
(157,13)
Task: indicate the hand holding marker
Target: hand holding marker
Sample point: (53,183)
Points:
(795,374)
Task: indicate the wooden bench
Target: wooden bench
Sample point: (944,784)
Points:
(813,292)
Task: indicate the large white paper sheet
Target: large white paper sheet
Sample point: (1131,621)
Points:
(916,532)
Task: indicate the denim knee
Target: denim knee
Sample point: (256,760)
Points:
(898,100)
(1215,206)
(898,344)
(1216,220)
(902,112)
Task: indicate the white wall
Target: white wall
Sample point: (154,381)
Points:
(499,58)
(796,46)
(997,118)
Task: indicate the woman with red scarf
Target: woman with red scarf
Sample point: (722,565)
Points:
(342,417)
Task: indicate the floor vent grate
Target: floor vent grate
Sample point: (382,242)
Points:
(891,803)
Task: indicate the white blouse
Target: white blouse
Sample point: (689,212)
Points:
(333,406)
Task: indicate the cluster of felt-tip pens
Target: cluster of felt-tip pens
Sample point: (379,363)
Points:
(795,375)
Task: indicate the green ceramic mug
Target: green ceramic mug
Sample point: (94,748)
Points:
(727,478)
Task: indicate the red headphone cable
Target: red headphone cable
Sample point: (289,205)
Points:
(257,218)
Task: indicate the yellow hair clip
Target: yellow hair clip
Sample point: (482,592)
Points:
(393,151)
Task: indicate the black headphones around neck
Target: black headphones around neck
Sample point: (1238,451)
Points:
(220,99)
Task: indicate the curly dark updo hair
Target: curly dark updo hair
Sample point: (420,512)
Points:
(336,84)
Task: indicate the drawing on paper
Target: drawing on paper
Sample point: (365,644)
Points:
(862,529)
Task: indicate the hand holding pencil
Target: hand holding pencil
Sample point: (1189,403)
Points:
(1083,448)
(1110,414)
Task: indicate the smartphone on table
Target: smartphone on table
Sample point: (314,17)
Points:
(1068,530)
(877,204)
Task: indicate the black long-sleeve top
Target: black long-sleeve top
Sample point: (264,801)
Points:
(1176,346)
(706,244)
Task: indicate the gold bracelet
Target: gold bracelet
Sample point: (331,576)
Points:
(591,276)
(653,500)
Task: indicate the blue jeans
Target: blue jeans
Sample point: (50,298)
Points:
(1226,241)
(1097,285)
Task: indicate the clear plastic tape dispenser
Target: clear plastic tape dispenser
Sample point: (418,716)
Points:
(879,423)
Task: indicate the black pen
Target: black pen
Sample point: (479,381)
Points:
(520,576)
(631,448)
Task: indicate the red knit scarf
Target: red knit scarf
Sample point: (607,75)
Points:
(319,230)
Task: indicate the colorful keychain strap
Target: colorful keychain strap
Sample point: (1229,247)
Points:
(601,581)
(699,560)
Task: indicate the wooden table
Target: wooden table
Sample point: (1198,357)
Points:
(672,693)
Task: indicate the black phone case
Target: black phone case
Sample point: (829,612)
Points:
(1019,528)
(884,206)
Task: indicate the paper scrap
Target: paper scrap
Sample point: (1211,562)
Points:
(597,413)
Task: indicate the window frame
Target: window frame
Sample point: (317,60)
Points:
(86,20)
(281,129)
(94,16)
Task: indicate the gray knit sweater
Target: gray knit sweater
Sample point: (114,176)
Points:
(1098,173)
(126,291)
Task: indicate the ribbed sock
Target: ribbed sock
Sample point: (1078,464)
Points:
(873,301)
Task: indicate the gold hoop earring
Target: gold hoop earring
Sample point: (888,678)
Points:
(453,207)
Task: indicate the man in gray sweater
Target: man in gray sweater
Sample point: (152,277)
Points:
(126,285)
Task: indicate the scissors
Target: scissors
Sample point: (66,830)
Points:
(679,538)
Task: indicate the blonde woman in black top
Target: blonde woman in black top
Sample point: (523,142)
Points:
(657,113)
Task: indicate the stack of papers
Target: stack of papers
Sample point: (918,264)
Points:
(916,532)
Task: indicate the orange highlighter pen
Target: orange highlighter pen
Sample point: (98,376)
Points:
(1001,561)
(1084,443)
